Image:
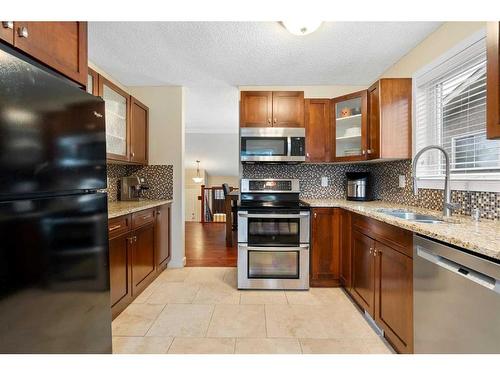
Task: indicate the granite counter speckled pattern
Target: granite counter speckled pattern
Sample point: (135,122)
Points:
(481,237)
(119,208)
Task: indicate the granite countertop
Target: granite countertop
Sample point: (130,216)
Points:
(120,208)
(481,237)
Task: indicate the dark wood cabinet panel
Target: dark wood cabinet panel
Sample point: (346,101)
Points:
(394,296)
(493,80)
(288,109)
(60,45)
(139,117)
(325,247)
(143,258)
(120,273)
(256,108)
(318,130)
(162,237)
(7,31)
(345,250)
(389,113)
(363,271)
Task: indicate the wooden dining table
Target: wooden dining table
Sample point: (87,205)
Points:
(231,221)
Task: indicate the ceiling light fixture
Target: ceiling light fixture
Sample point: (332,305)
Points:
(198,178)
(301,28)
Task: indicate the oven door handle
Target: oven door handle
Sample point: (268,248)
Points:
(275,248)
(274,216)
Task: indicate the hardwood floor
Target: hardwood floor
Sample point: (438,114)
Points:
(206,246)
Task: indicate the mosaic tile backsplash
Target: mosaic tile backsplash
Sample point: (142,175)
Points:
(159,178)
(386,178)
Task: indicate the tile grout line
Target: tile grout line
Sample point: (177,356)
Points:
(265,320)
(155,319)
(171,343)
(210,321)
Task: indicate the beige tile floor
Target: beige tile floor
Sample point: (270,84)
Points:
(200,311)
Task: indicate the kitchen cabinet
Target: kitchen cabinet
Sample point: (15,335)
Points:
(493,81)
(92,82)
(389,119)
(139,115)
(325,247)
(162,236)
(61,46)
(139,250)
(382,278)
(318,130)
(272,108)
(350,124)
(345,250)
(117,107)
(7,31)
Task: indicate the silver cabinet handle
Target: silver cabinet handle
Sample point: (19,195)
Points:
(8,24)
(97,114)
(23,32)
(132,154)
(369,151)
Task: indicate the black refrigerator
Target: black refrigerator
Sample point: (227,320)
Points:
(54,269)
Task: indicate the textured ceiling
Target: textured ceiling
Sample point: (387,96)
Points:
(250,53)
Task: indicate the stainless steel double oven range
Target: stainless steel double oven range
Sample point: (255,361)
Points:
(273,235)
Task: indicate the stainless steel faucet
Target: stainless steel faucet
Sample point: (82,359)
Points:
(448,206)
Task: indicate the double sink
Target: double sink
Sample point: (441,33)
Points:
(411,216)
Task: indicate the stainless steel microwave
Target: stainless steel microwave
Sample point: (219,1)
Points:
(272,145)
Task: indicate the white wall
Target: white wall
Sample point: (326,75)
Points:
(166,146)
(192,191)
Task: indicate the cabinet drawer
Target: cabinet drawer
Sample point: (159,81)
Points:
(397,238)
(118,225)
(142,218)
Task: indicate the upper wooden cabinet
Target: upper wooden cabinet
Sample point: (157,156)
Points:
(350,124)
(318,130)
(139,116)
(389,124)
(60,45)
(92,82)
(272,108)
(325,247)
(7,31)
(493,80)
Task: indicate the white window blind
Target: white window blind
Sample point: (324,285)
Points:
(450,110)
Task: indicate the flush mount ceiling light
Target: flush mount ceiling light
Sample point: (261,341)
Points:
(301,27)
(197,179)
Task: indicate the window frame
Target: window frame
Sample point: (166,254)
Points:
(469,182)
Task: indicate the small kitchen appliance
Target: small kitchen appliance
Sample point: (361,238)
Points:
(272,145)
(132,187)
(273,235)
(359,186)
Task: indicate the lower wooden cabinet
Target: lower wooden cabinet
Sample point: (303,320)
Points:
(345,250)
(139,250)
(382,278)
(325,247)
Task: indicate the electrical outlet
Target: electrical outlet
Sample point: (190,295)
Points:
(402,181)
(324,181)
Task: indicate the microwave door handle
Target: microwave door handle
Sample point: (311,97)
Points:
(274,216)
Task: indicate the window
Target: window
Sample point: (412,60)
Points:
(450,111)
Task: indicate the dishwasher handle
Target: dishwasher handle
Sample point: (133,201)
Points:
(468,273)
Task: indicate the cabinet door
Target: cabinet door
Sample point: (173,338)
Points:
(143,258)
(325,247)
(117,104)
(120,275)
(373,136)
(60,45)
(318,130)
(493,80)
(363,271)
(288,109)
(394,296)
(350,126)
(7,31)
(256,108)
(92,82)
(139,118)
(162,237)
(345,249)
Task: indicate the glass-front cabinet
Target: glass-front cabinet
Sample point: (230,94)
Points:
(117,104)
(350,124)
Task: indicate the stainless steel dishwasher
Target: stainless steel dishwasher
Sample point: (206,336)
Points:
(456,299)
